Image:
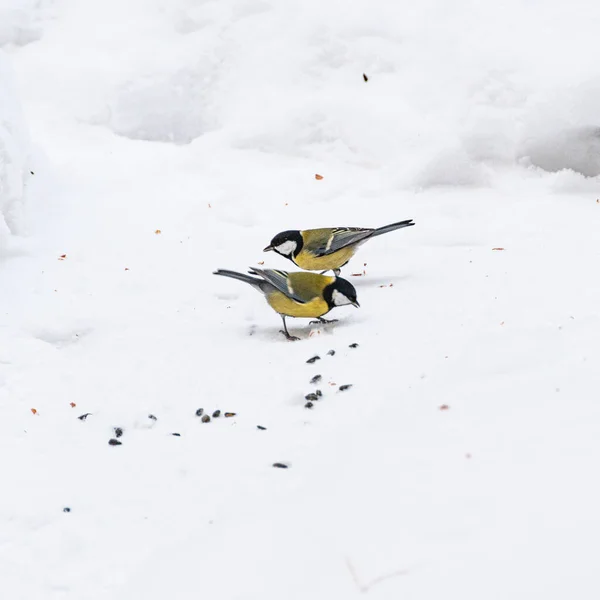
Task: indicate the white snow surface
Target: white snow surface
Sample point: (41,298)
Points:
(14,156)
(176,137)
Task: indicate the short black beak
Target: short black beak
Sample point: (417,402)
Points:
(268,249)
(355,303)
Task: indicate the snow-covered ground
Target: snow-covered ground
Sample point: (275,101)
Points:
(144,144)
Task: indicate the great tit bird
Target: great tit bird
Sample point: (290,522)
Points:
(298,294)
(326,249)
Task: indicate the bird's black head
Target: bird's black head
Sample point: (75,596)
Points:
(286,243)
(340,293)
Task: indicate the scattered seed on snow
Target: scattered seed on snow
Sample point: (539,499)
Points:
(316,379)
(152,417)
(114,442)
(314,359)
(308,405)
(84,416)
(345,387)
(206,419)
(229,414)
(261,428)
(280,465)
(331,353)
(311,397)
(199,412)
(66,509)
(319,393)
(355,345)
(216,414)
(176,434)
(118,432)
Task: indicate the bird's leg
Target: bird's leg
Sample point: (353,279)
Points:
(285,331)
(322,320)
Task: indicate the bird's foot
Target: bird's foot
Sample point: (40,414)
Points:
(322,321)
(292,338)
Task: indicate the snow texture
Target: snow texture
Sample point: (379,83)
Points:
(174,138)
(14,155)
(21,21)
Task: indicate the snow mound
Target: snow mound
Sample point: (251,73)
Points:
(168,107)
(452,167)
(21,21)
(577,149)
(563,131)
(13,154)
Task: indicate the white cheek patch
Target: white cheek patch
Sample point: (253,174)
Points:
(339,299)
(287,248)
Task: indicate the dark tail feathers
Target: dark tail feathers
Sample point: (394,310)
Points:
(392,227)
(241,276)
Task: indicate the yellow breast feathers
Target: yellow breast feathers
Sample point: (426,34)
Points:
(307,260)
(279,302)
(308,287)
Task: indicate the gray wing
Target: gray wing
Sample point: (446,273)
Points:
(341,237)
(279,280)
